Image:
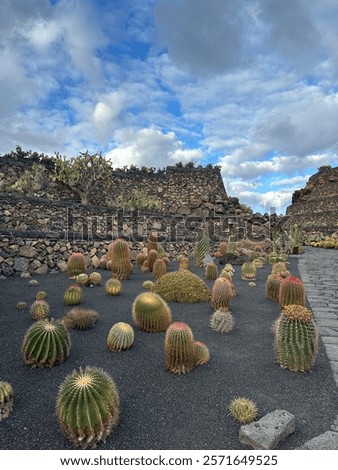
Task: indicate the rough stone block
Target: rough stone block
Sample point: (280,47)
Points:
(268,431)
(21,264)
(27,251)
(326,441)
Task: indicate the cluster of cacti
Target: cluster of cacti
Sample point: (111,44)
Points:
(151,313)
(221,250)
(95,279)
(179,348)
(21,305)
(248,271)
(82,279)
(113,286)
(291,292)
(221,294)
(211,271)
(6,399)
(46,343)
(243,410)
(76,264)
(222,321)
(121,265)
(227,271)
(202,250)
(80,318)
(120,337)
(39,310)
(328,242)
(73,295)
(202,354)
(296,339)
(159,268)
(272,287)
(88,407)
(41,295)
(182,286)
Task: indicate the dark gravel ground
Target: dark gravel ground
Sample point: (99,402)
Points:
(160,410)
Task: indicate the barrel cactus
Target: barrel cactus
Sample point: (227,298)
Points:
(183,263)
(113,286)
(211,271)
(46,343)
(152,257)
(159,268)
(296,339)
(151,313)
(152,242)
(82,279)
(148,285)
(140,259)
(272,287)
(39,310)
(248,271)
(73,295)
(6,399)
(76,264)
(121,263)
(202,354)
(120,337)
(201,250)
(88,406)
(80,318)
(221,294)
(95,279)
(291,292)
(41,295)
(222,321)
(103,262)
(21,305)
(179,348)
(243,410)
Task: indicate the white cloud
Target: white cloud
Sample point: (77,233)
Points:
(106,111)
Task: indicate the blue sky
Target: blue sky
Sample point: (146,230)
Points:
(249,85)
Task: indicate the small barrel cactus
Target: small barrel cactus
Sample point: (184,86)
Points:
(152,257)
(221,294)
(278,268)
(95,279)
(211,271)
(76,264)
(88,406)
(21,305)
(291,292)
(184,263)
(33,282)
(113,286)
(272,287)
(159,268)
(82,279)
(151,313)
(243,410)
(41,295)
(148,285)
(80,318)
(179,348)
(296,339)
(73,295)
(121,264)
(39,310)
(152,242)
(248,271)
(46,343)
(120,337)
(222,321)
(145,267)
(201,250)
(6,399)
(140,259)
(202,354)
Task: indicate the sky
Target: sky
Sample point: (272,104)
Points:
(251,85)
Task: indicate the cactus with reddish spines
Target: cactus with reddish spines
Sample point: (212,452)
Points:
(211,271)
(291,292)
(103,262)
(179,348)
(82,279)
(151,313)
(76,264)
(272,286)
(95,279)
(73,295)
(41,295)
(184,263)
(113,286)
(80,318)
(152,242)
(243,410)
(39,310)
(221,294)
(202,354)
(201,250)
(248,271)
(120,337)
(88,406)
(159,268)
(46,343)
(121,265)
(6,399)
(152,257)
(140,259)
(296,339)
(222,321)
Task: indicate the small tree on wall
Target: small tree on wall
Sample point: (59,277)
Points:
(82,174)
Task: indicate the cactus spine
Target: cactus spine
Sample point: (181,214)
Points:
(296,339)
(6,399)
(221,294)
(243,410)
(179,348)
(39,310)
(202,354)
(159,268)
(291,292)
(121,264)
(73,295)
(113,287)
(88,406)
(120,337)
(46,343)
(151,313)
(76,264)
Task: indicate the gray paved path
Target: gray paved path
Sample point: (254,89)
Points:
(318,268)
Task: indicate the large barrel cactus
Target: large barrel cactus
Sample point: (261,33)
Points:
(46,343)
(6,399)
(221,294)
(292,292)
(76,264)
(120,337)
(272,287)
(296,339)
(159,268)
(121,264)
(88,406)
(151,313)
(179,348)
